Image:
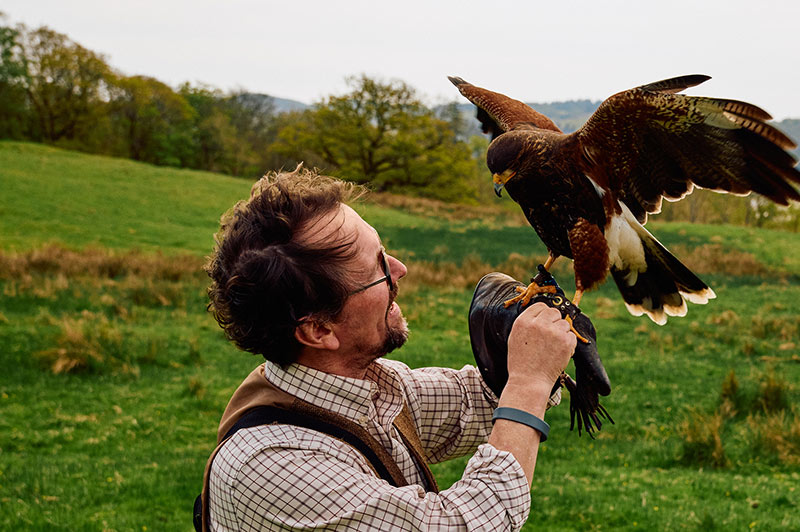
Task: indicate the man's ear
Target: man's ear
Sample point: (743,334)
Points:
(316,334)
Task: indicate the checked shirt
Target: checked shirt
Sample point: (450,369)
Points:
(281,477)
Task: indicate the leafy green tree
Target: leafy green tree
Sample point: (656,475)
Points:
(461,124)
(64,82)
(231,133)
(252,117)
(154,119)
(382,134)
(14,112)
(208,126)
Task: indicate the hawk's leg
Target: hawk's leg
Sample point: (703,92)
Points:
(578,296)
(550,260)
(525,294)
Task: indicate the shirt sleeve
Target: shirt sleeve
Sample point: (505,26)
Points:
(452,409)
(305,489)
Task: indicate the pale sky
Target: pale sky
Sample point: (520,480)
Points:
(534,51)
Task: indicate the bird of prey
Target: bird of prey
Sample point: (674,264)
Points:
(588,193)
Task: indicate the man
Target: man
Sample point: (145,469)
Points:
(300,278)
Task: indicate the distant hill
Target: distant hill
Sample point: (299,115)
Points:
(283,105)
(278,105)
(791,126)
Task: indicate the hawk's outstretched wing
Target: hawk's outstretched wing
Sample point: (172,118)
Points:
(499,113)
(650,142)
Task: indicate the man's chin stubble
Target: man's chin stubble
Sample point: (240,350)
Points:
(395,336)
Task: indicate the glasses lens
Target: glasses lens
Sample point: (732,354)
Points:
(387,276)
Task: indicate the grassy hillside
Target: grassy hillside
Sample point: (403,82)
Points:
(114,376)
(52,195)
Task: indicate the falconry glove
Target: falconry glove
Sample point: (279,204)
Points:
(490,324)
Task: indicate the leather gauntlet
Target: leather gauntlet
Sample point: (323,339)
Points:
(490,324)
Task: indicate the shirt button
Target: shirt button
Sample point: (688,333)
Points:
(363,420)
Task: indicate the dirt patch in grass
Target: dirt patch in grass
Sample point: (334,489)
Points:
(714,258)
(54,260)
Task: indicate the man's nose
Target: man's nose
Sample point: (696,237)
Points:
(397,268)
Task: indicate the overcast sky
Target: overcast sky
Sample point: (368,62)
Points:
(530,50)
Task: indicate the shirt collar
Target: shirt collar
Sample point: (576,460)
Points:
(345,396)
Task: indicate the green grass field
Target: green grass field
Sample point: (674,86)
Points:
(114,376)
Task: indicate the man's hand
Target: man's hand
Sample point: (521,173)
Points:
(539,347)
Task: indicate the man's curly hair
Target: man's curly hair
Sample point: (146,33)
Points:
(265,278)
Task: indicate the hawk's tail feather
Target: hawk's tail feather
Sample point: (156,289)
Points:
(663,288)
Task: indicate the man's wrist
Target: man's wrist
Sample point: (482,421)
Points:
(529,387)
(530,396)
(525,418)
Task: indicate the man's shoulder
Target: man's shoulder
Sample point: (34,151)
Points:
(405,373)
(396,366)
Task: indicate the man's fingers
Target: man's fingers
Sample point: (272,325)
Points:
(536,309)
(543,310)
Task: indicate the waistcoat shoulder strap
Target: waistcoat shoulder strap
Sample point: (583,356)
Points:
(408,431)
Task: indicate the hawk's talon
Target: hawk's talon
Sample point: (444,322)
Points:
(568,319)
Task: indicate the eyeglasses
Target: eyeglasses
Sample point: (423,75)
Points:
(387,277)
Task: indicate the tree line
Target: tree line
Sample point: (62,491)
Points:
(53,90)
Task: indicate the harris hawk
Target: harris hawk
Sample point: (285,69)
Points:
(588,193)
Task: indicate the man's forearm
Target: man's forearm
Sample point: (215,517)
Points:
(521,440)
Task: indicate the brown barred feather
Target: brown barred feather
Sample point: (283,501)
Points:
(763,130)
(744,109)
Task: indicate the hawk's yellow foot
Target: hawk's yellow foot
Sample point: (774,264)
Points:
(525,294)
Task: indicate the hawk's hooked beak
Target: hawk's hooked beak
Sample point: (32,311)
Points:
(501,179)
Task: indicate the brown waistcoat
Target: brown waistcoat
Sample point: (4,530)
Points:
(256,390)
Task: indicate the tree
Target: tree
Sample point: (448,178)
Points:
(65,83)
(382,134)
(155,120)
(14,113)
(208,123)
(462,126)
(252,117)
(231,133)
